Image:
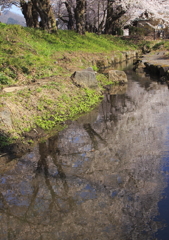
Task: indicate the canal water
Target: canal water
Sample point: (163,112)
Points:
(105,177)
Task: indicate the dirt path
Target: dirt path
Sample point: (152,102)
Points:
(31,85)
(12,89)
(158,58)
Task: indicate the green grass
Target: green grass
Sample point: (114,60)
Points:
(158,45)
(166,45)
(45,110)
(28,54)
(32,53)
(67,107)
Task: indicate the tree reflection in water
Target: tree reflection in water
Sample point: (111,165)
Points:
(98,179)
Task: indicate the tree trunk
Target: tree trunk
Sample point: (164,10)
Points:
(70,25)
(34,9)
(35,18)
(29,13)
(80,12)
(44,9)
(112,16)
(101,24)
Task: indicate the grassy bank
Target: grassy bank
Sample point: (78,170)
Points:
(28,54)
(41,64)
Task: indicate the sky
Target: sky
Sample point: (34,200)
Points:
(159,7)
(16,10)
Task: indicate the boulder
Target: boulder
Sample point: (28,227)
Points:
(85,78)
(163,70)
(157,69)
(136,61)
(138,66)
(117,76)
(118,89)
(163,79)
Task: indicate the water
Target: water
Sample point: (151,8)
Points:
(104,177)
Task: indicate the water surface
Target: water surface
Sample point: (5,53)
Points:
(104,177)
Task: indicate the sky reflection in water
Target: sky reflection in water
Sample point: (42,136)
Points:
(103,177)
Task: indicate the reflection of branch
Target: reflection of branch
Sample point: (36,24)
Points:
(53,153)
(42,165)
(3,201)
(52,192)
(104,109)
(36,189)
(45,151)
(93,134)
(61,172)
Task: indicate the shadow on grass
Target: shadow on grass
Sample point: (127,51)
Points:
(4,141)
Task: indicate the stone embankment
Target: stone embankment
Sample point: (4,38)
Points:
(157,65)
(117,57)
(87,77)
